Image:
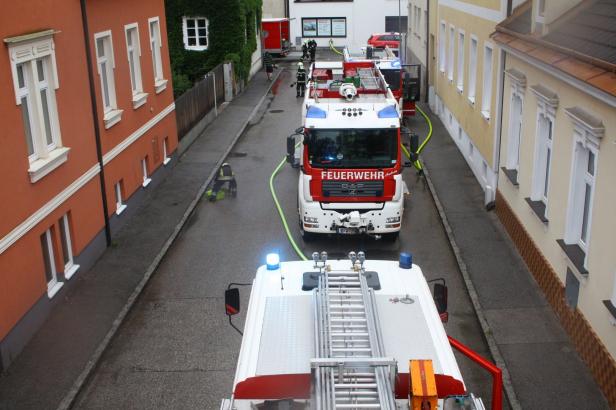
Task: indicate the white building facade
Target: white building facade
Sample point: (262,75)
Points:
(346,23)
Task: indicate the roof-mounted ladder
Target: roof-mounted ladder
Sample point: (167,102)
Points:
(350,371)
(368,79)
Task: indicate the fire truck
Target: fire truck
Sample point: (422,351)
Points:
(404,80)
(275,33)
(348,334)
(350,157)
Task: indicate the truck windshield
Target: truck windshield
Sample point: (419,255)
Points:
(352,148)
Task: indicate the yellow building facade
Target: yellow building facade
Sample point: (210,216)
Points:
(557,160)
(463,70)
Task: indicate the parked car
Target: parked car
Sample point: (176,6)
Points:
(381,40)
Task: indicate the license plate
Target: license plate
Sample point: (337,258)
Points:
(347,231)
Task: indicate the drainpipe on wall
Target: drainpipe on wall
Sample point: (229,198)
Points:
(427,50)
(97,131)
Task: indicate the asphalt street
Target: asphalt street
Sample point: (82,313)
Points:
(176,349)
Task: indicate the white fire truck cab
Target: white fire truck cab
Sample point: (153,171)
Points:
(345,334)
(350,157)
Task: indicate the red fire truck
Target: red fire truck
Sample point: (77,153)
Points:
(276,36)
(350,157)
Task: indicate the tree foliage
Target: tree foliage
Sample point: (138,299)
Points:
(231,36)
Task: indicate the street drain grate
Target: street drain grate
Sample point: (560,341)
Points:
(237,154)
(276,111)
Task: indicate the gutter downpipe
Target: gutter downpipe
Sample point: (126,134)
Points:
(499,131)
(426,99)
(97,131)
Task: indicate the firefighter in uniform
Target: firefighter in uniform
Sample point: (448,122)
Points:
(225,176)
(304,51)
(300,79)
(312,49)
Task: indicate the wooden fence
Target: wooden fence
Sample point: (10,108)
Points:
(197,102)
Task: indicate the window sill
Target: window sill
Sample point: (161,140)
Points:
(460,89)
(160,85)
(512,175)
(485,115)
(146,182)
(538,208)
(576,255)
(43,166)
(112,118)
(166,160)
(70,271)
(120,209)
(51,292)
(611,308)
(471,101)
(139,99)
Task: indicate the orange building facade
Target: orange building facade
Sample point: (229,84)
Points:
(82,138)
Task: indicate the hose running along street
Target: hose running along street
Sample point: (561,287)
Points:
(283,218)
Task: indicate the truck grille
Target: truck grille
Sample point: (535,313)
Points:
(352,188)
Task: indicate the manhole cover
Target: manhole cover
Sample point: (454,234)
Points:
(276,111)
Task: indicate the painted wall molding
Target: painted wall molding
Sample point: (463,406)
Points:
(23,228)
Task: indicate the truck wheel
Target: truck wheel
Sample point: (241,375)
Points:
(390,237)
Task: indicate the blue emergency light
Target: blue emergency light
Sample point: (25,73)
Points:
(315,112)
(272,260)
(388,112)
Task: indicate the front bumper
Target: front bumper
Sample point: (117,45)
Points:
(387,219)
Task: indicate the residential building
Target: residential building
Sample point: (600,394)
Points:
(204,34)
(346,23)
(558,161)
(66,150)
(453,39)
(275,8)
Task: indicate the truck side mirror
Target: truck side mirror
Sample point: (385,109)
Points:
(232,301)
(299,130)
(440,300)
(291,149)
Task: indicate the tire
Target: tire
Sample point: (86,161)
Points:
(390,237)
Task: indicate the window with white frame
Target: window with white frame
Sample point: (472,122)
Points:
(166,157)
(133,49)
(105,62)
(67,247)
(461,62)
(547,102)
(441,48)
(35,82)
(486,93)
(515,133)
(144,170)
(543,159)
(472,71)
(156,47)
(195,33)
(586,138)
(120,205)
(49,262)
(450,57)
(418,21)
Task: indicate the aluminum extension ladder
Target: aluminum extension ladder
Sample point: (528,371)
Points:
(350,371)
(368,80)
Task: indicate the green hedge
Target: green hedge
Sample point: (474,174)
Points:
(231,37)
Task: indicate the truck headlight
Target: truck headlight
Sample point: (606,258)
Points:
(311,219)
(392,219)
